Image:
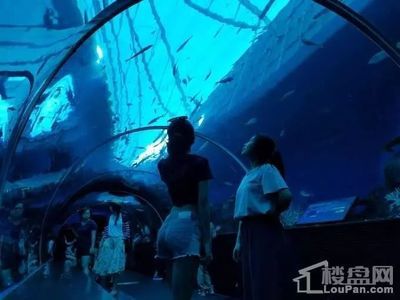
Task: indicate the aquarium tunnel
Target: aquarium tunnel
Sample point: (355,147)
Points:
(89,88)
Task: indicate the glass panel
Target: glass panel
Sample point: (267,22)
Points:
(13,93)
(322,102)
(289,69)
(382,17)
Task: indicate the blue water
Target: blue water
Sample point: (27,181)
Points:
(298,74)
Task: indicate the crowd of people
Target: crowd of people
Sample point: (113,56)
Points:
(12,251)
(19,245)
(184,241)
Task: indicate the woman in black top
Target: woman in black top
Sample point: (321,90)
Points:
(185,234)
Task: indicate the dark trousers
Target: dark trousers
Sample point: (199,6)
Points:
(264,256)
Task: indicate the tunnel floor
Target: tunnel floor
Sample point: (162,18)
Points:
(132,286)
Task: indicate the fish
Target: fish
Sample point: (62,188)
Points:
(287,95)
(135,164)
(279,38)
(184,81)
(225,80)
(141,148)
(155,120)
(70,95)
(292,44)
(233,169)
(282,134)
(266,9)
(228,183)
(195,96)
(54,126)
(195,100)
(252,121)
(306,194)
(203,146)
(11,108)
(197,106)
(129,282)
(380,56)
(321,13)
(218,31)
(208,75)
(377,58)
(175,70)
(311,43)
(85,17)
(143,50)
(183,44)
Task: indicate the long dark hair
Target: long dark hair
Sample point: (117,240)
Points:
(180,137)
(116,208)
(264,151)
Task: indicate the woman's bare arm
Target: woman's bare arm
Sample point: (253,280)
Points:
(281,200)
(93,239)
(284,199)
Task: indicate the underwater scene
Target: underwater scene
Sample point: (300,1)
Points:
(190,149)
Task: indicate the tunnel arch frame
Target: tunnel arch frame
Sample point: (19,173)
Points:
(140,197)
(116,8)
(91,180)
(102,18)
(76,165)
(124,170)
(363,25)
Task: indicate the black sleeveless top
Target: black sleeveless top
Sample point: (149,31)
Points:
(182,176)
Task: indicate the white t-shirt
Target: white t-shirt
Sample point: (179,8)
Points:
(115,229)
(251,196)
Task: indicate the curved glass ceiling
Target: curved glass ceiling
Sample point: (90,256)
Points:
(162,59)
(168,65)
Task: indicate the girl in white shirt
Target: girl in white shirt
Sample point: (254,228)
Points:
(111,258)
(261,197)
